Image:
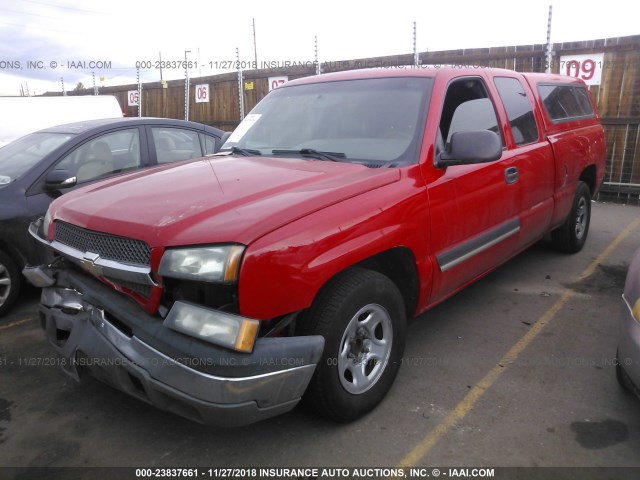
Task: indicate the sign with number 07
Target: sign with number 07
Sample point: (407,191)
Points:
(585,67)
(275,82)
(202,93)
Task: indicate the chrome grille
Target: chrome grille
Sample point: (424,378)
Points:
(110,247)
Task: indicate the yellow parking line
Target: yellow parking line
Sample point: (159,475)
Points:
(15,324)
(466,405)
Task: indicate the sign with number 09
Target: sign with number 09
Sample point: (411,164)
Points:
(585,67)
(133,98)
(202,93)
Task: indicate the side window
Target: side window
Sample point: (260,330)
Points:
(519,110)
(104,155)
(467,107)
(175,144)
(584,100)
(209,143)
(565,102)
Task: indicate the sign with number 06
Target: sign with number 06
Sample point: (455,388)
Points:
(133,98)
(202,93)
(585,67)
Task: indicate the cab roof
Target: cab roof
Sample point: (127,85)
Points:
(431,71)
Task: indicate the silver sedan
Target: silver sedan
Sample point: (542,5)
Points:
(628,365)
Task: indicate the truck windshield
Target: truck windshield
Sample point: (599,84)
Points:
(376,122)
(19,156)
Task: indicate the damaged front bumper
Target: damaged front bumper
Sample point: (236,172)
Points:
(97,330)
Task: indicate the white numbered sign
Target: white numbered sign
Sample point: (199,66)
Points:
(133,98)
(202,93)
(275,82)
(585,67)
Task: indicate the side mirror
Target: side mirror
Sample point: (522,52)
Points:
(57,179)
(466,148)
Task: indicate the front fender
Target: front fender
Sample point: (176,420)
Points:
(283,271)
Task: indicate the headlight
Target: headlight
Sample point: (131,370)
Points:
(213,326)
(636,310)
(45,224)
(209,264)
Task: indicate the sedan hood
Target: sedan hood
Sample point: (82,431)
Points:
(214,200)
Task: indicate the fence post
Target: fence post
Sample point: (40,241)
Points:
(240,89)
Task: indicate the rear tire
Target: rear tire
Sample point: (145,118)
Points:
(571,236)
(361,315)
(9,282)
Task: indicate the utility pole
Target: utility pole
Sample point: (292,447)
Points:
(416,57)
(186,86)
(240,91)
(549,53)
(139,93)
(318,67)
(255,45)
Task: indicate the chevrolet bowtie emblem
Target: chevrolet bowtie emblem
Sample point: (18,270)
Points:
(91,257)
(88,262)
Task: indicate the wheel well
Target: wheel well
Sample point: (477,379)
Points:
(398,264)
(17,257)
(588,176)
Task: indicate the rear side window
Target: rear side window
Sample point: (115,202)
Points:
(209,143)
(519,110)
(565,102)
(175,144)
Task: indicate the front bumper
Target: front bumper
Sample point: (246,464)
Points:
(629,346)
(96,330)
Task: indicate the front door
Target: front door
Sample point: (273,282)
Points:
(475,223)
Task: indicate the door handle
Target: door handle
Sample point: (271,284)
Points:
(511,175)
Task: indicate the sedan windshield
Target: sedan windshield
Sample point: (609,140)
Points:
(376,122)
(19,156)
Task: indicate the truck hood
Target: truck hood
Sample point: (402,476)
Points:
(214,200)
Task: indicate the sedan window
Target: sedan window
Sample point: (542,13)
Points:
(209,143)
(175,144)
(21,155)
(104,155)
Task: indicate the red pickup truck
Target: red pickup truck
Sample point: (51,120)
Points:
(227,288)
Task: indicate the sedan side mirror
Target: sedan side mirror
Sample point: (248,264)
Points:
(466,148)
(57,179)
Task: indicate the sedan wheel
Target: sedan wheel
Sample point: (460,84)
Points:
(9,282)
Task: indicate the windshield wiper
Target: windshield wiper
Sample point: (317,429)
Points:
(331,156)
(247,152)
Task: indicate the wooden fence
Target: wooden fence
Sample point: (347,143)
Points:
(617,95)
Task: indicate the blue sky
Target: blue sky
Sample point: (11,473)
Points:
(61,37)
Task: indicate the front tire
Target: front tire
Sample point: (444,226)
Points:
(571,236)
(9,282)
(361,315)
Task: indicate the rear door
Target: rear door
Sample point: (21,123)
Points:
(531,157)
(170,144)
